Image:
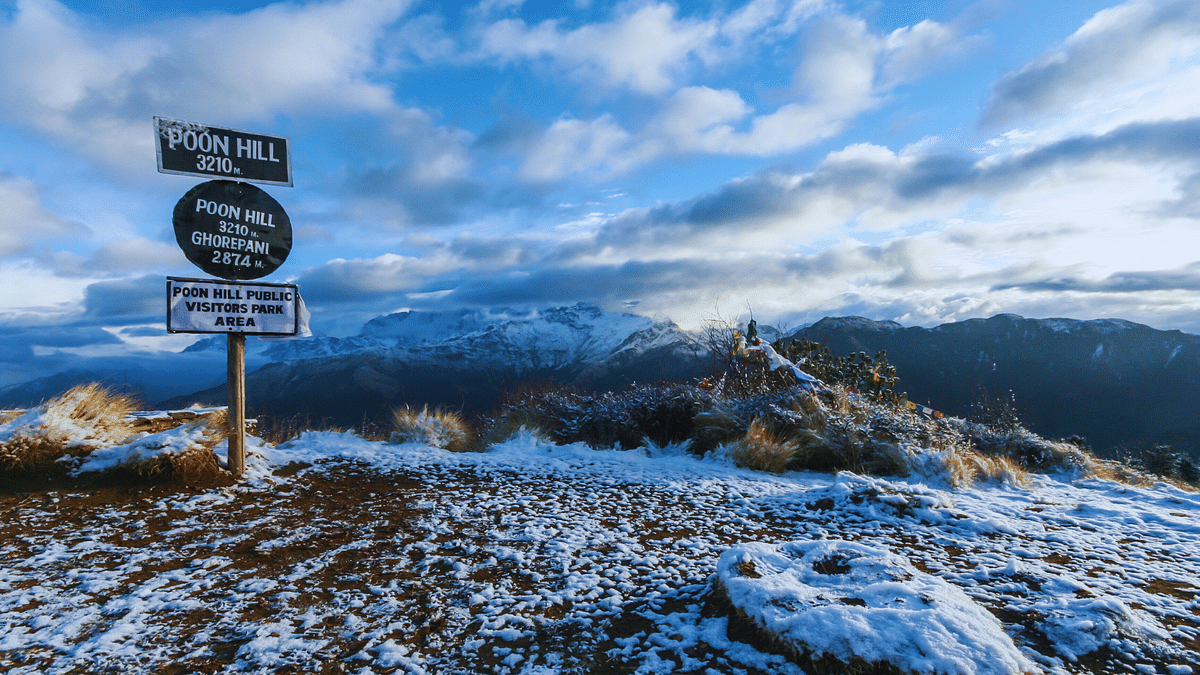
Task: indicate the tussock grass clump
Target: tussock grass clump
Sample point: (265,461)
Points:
(763,449)
(72,423)
(967,467)
(1026,448)
(832,429)
(439,428)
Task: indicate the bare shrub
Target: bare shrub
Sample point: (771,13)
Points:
(659,413)
(998,411)
(278,430)
(440,429)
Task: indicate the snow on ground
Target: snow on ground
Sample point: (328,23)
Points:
(343,555)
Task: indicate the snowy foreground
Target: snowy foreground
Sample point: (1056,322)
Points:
(343,555)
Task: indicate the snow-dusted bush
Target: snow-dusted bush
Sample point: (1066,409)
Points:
(746,365)
(661,414)
(832,429)
(439,429)
(1025,448)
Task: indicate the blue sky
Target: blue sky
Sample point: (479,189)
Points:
(923,162)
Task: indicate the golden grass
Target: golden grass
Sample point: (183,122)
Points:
(72,423)
(762,449)
(26,454)
(966,467)
(439,428)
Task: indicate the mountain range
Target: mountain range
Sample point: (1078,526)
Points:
(460,360)
(1110,381)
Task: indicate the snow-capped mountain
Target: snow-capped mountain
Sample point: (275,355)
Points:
(552,339)
(1111,381)
(417,358)
(558,338)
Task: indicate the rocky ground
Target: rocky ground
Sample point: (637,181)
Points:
(344,555)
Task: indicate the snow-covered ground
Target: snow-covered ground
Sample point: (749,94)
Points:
(344,555)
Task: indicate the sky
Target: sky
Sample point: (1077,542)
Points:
(923,162)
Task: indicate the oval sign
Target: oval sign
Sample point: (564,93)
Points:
(232,230)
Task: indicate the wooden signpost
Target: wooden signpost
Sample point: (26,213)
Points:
(233,230)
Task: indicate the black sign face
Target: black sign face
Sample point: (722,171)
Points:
(192,149)
(232,230)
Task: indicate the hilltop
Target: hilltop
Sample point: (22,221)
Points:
(349,555)
(688,535)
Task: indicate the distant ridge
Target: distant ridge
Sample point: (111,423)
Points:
(413,359)
(1109,380)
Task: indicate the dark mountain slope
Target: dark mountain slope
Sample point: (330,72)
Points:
(1111,381)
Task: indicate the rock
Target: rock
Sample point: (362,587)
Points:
(839,606)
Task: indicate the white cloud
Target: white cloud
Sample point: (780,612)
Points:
(98,91)
(910,51)
(23,219)
(572,145)
(388,274)
(1121,47)
(118,258)
(844,70)
(645,48)
(774,17)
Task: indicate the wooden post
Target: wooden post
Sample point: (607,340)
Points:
(236,353)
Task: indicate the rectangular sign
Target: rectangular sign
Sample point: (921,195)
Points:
(191,149)
(212,306)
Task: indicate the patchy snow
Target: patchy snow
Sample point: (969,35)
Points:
(833,598)
(143,446)
(538,559)
(775,362)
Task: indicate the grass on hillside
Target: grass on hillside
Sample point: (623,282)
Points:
(755,412)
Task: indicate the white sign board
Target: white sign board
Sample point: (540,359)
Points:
(211,306)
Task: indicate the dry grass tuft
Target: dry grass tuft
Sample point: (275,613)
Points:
(95,403)
(968,467)
(439,428)
(762,449)
(23,454)
(72,423)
